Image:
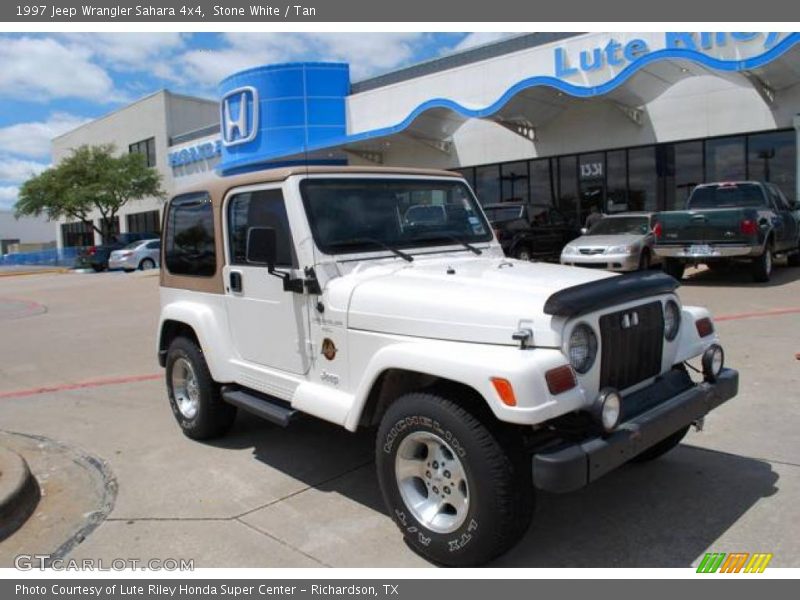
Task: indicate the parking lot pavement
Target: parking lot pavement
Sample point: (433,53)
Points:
(307,495)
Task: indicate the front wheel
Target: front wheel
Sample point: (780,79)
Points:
(147,264)
(762,266)
(458,495)
(193,395)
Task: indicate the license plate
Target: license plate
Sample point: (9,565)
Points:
(701,250)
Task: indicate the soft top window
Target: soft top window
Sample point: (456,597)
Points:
(190,239)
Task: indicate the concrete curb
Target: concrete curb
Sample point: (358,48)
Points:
(38,272)
(19,492)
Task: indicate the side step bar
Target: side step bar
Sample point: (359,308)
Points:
(273,410)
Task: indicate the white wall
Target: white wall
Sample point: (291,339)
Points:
(28,230)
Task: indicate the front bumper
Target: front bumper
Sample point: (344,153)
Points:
(571,467)
(717,251)
(610,262)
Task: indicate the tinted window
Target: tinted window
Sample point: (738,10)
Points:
(499,214)
(773,157)
(189,238)
(154,245)
(727,196)
(263,208)
(621,226)
(725,159)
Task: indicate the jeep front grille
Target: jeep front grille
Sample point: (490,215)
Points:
(631,341)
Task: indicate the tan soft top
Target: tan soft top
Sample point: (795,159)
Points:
(217,187)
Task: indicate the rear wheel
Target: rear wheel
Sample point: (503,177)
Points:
(459,495)
(674,268)
(98,268)
(762,266)
(193,395)
(662,447)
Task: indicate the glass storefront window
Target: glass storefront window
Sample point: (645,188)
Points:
(467,173)
(616,182)
(542,181)
(591,177)
(773,157)
(725,160)
(642,179)
(568,186)
(688,164)
(514,178)
(487,184)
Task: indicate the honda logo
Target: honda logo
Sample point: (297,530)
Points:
(630,319)
(239,116)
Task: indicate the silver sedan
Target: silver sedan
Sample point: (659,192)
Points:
(622,242)
(141,255)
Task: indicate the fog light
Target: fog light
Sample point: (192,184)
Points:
(607,409)
(713,362)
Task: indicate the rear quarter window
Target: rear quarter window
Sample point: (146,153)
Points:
(189,240)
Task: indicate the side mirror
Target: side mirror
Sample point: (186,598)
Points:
(262,246)
(584,230)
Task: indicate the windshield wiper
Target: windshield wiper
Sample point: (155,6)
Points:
(457,240)
(375,242)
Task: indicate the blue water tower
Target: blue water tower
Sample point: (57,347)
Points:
(277,113)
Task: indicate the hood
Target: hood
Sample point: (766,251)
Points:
(605,241)
(475,299)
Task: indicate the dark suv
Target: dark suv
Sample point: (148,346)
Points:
(96,257)
(528,231)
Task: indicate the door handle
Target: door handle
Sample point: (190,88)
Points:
(235,279)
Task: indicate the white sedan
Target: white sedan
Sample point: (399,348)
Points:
(142,255)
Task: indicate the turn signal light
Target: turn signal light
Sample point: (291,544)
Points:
(748,227)
(560,379)
(704,327)
(504,390)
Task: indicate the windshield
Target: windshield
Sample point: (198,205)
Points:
(727,195)
(352,215)
(500,214)
(621,226)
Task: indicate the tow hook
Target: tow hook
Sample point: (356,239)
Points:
(698,424)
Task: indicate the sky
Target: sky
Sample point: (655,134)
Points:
(52,83)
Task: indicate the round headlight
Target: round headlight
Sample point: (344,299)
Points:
(713,361)
(672,320)
(607,409)
(582,348)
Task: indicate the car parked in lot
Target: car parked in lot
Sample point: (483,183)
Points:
(142,255)
(528,231)
(97,257)
(730,222)
(621,242)
(305,290)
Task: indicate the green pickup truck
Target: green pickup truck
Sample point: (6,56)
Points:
(743,221)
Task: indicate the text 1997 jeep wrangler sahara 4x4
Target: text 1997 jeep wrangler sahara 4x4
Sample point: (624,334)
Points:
(309,290)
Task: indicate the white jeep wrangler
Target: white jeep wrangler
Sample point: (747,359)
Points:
(379,297)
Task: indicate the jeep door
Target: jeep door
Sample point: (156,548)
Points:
(269,326)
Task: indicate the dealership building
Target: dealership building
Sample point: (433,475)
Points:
(620,121)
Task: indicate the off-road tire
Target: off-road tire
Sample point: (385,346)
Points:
(662,447)
(761,267)
(214,416)
(674,268)
(500,490)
